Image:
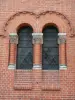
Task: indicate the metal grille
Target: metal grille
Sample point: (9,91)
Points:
(50,48)
(24,53)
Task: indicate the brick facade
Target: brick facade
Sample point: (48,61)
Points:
(37,84)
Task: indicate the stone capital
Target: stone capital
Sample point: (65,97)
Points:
(13,38)
(61,38)
(37,38)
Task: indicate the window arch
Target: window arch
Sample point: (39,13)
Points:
(50,57)
(24,48)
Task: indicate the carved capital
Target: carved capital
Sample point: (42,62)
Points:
(37,38)
(61,38)
(13,38)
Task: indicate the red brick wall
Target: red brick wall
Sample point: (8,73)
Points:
(37,84)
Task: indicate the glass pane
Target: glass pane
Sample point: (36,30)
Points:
(50,48)
(24,53)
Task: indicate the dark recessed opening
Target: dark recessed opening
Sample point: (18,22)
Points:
(24,48)
(50,48)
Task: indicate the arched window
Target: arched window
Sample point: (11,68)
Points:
(50,48)
(24,48)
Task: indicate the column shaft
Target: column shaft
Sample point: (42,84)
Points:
(12,53)
(37,54)
(62,51)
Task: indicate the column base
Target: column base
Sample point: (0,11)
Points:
(12,66)
(62,67)
(37,66)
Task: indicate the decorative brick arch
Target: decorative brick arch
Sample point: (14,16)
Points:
(18,19)
(32,18)
(56,18)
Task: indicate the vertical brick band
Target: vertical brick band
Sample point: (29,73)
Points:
(12,53)
(37,50)
(62,54)
(62,50)
(12,50)
(37,54)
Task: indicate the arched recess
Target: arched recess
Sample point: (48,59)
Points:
(50,48)
(24,47)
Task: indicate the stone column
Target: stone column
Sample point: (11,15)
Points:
(37,50)
(37,63)
(13,39)
(62,50)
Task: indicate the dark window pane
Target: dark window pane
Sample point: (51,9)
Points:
(24,53)
(50,49)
